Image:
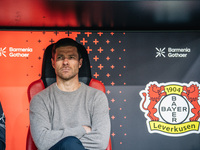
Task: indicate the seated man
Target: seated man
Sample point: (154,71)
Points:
(2,129)
(69,115)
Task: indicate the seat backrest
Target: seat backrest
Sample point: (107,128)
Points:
(49,77)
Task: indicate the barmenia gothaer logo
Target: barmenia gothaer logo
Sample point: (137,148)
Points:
(172,52)
(172,108)
(15,52)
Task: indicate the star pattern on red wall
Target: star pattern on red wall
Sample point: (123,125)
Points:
(107,52)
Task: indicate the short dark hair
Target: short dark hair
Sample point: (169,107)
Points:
(66,42)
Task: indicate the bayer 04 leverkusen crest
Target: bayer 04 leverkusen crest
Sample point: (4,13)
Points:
(172,108)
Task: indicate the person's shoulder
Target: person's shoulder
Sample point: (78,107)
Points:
(42,98)
(48,89)
(45,92)
(95,93)
(91,89)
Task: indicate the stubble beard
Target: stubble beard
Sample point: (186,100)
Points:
(67,76)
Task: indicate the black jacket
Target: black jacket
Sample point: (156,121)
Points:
(2,125)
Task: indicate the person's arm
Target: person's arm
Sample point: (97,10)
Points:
(98,138)
(2,129)
(40,124)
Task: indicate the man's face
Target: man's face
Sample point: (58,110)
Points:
(66,62)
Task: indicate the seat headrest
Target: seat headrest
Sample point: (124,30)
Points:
(48,72)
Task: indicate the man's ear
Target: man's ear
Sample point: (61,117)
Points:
(52,63)
(80,62)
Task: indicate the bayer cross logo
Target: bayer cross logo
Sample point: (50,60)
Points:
(2,51)
(160,52)
(178,105)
